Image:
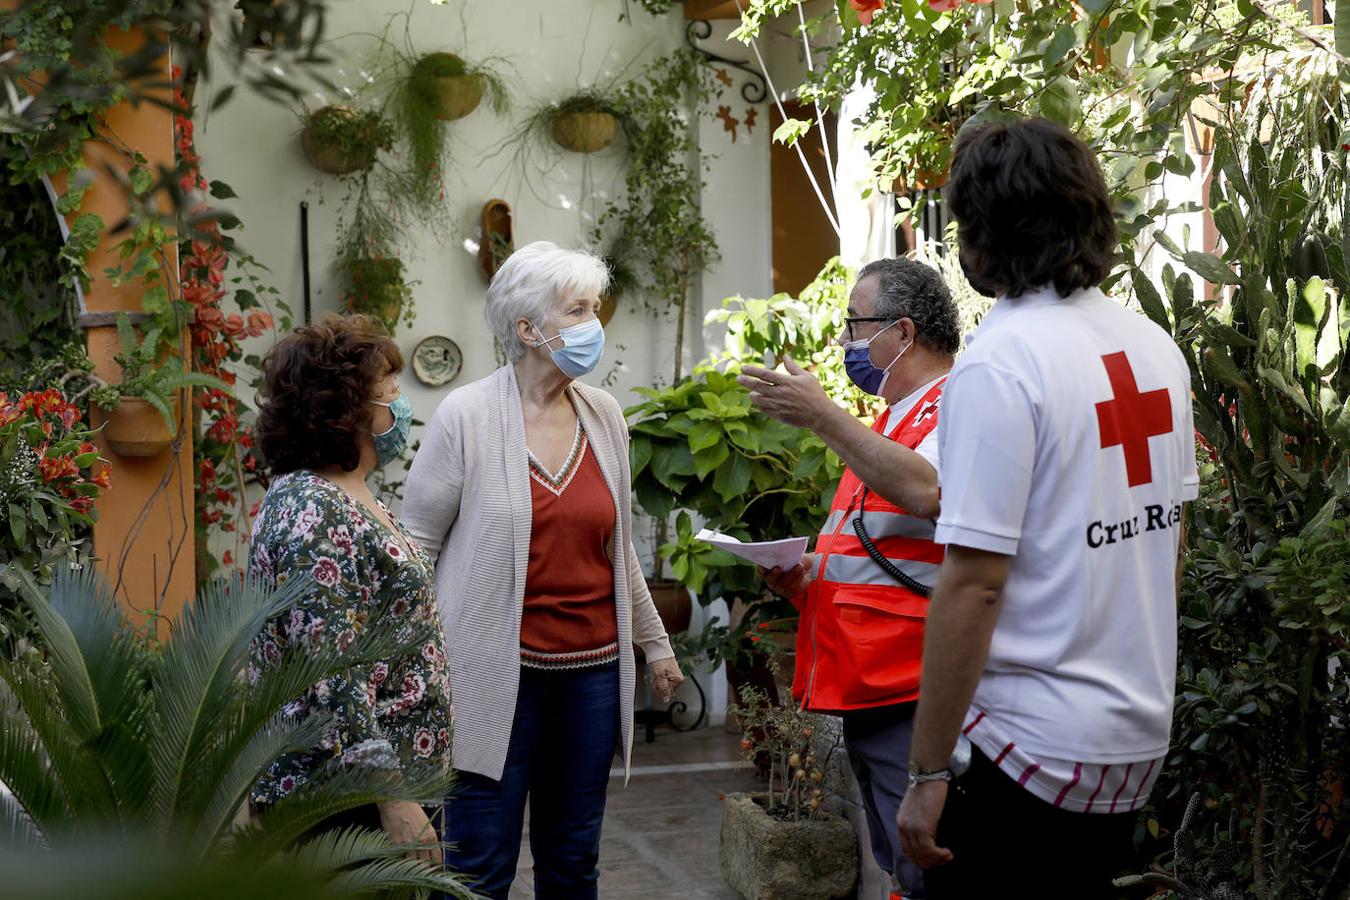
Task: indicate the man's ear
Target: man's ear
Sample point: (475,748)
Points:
(907,330)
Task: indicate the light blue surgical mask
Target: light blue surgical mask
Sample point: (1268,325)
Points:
(389,445)
(583,345)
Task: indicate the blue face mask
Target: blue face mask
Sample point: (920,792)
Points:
(583,345)
(862,371)
(391,444)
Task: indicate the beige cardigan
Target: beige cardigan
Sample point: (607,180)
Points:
(467,501)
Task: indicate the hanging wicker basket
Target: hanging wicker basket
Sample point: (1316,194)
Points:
(135,428)
(459,95)
(585,132)
(331,158)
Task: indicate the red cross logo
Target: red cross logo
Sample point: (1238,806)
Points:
(1131,418)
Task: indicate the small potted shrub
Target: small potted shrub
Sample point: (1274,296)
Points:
(340,140)
(585,122)
(787,841)
(377,288)
(144,420)
(452,88)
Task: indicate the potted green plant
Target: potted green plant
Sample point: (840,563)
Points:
(144,421)
(339,139)
(377,288)
(430,90)
(787,841)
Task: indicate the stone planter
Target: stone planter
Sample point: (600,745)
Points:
(765,859)
(135,428)
(585,132)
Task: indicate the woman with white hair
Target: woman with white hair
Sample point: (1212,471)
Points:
(521,489)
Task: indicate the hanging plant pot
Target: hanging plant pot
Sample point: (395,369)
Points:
(340,140)
(442,82)
(378,289)
(459,95)
(134,428)
(498,238)
(585,131)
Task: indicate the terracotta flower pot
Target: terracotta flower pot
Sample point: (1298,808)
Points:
(459,95)
(135,428)
(585,132)
(672,604)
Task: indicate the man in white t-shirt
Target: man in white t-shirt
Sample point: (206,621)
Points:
(1067,451)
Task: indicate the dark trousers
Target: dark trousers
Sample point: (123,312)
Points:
(877,741)
(563,735)
(1008,842)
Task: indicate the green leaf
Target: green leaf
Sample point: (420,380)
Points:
(222,191)
(791,131)
(733,480)
(704,435)
(1149,300)
(1064,40)
(1210,267)
(1060,102)
(18,524)
(639,454)
(39,514)
(707,460)
(1310,310)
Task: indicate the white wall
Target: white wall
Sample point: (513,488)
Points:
(555,47)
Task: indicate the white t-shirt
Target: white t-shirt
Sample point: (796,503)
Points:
(928,447)
(1067,443)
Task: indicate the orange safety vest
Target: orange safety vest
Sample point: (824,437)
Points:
(860,640)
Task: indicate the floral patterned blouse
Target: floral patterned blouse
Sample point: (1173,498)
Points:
(395,714)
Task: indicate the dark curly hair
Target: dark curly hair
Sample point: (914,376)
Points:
(1031,209)
(908,289)
(313,408)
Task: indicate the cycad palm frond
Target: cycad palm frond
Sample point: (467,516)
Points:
(255,734)
(160,752)
(195,681)
(335,790)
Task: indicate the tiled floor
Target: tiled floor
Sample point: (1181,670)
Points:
(661,831)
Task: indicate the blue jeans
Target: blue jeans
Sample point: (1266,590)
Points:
(878,742)
(563,736)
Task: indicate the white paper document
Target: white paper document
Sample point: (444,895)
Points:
(784,554)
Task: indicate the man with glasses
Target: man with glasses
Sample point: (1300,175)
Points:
(863,593)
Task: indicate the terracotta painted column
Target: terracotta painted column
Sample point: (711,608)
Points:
(144,536)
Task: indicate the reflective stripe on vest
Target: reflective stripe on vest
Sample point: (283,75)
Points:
(882,524)
(864,570)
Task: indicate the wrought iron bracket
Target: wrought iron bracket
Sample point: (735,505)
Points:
(754,91)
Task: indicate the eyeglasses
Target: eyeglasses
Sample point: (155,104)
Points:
(850,321)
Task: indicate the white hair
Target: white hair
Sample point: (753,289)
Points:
(528,283)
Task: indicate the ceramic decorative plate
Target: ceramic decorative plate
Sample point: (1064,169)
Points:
(437,361)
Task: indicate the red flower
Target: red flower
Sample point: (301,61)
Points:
(258,322)
(210,319)
(82,505)
(867,8)
(103,477)
(57,467)
(943,5)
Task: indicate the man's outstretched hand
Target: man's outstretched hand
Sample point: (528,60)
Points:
(794,396)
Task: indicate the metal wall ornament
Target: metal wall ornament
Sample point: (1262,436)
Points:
(754,91)
(437,361)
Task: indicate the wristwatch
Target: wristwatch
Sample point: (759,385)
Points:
(919,776)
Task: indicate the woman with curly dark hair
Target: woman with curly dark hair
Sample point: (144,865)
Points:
(331,412)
